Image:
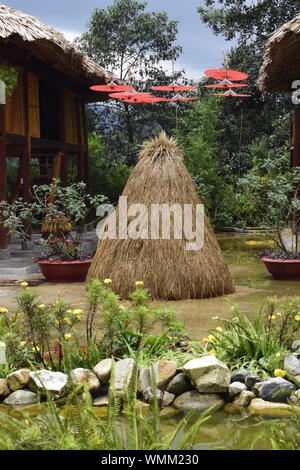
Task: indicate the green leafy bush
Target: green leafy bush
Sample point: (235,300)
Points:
(9,75)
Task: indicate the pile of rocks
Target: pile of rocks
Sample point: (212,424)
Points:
(202,383)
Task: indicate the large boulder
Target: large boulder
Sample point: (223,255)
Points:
(87,377)
(22,398)
(53,382)
(296,345)
(192,400)
(251,380)
(103,370)
(267,408)
(292,364)
(164,398)
(4,390)
(123,374)
(18,380)
(101,401)
(276,390)
(208,374)
(164,371)
(179,385)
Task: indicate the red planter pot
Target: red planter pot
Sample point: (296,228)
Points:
(65,271)
(283,269)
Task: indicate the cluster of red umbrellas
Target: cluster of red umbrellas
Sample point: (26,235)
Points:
(129,95)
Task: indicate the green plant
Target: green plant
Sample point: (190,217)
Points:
(285,435)
(261,345)
(9,75)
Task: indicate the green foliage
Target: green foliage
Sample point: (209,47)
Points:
(285,435)
(9,75)
(110,175)
(260,346)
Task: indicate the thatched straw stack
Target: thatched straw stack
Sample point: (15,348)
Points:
(168,270)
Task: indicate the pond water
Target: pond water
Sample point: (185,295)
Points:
(253,285)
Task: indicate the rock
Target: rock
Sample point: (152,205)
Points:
(251,380)
(86,376)
(169,412)
(21,397)
(232,408)
(296,345)
(18,380)
(123,373)
(144,380)
(103,370)
(267,408)
(164,398)
(256,388)
(235,388)
(192,400)
(164,372)
(101,401)
(239,375)
(276,390)
(54,382)
(244,398)
(208,374)
(295,398)
(179,384)
(4,390)
(2,353)
(292,364)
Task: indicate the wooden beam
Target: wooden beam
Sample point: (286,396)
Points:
(3,174)
(296,137)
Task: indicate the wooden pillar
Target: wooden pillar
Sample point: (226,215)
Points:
(296,137)
(3,174)
(86,167)
(26,155)
(62,125)
(80,156)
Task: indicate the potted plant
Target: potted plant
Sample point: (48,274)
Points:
(61,213)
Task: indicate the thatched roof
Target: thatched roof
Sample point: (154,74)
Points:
(281,65)
(168,269)
(17,26)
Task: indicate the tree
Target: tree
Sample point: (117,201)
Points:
(132,42)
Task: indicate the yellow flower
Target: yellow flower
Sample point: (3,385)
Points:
(69,311)
(205,340)
(282,425)
(219,329)
(42,306)
(35,349)
(271,317)
(212,352)
(77,311)
(279,373)
(212,338)
(139,284)
(3,310)
(68,336)
(279,314)
(297,317)
(78,317)
(107,282)
(24,284)
(23,344)
(122,308)
(278,354)
(67,321)
(57,322)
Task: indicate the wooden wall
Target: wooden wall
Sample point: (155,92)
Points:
(74,127)
(33,105)
(14,109)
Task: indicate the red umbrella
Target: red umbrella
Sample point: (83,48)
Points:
(231,94)
(173,88)
(223,74)
(127,95)
(144,100)
(182,98)
(226,85)
(111,87)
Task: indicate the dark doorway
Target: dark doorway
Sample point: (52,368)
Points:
(49,111)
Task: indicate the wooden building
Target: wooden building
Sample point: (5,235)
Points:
(42,125)
(280,68)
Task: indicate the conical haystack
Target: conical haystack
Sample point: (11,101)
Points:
(168,269)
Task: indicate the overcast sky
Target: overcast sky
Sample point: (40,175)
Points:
(201,49)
